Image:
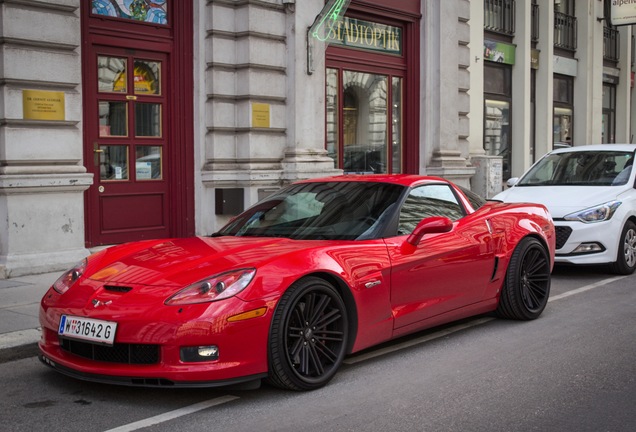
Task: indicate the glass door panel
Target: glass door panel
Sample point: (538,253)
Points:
(113,119)
(113,162)
(148,163)
(148,120)
(112,75)
(147,77)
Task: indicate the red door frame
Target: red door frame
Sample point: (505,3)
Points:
(176,41)
(406,15)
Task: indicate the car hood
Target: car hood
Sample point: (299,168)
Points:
(181,262)
(561,200)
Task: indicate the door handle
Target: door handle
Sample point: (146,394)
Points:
(96,152)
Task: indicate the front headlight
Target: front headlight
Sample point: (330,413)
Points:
(599,213)
(64,282)
(214,288)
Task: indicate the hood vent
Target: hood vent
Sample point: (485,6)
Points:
(121,289)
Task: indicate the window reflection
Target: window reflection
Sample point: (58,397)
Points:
(365,122)
(148,120)
(111,75)
(497,132)
(332,114)
(113,120)
(113,162)
(562,127)
(148,163)
(396,126)
(147,77)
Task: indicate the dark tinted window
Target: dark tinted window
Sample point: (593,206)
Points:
(321,211)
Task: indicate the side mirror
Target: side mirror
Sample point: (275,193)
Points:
(512,181)
(431,225)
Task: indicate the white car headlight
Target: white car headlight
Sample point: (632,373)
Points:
(598,213)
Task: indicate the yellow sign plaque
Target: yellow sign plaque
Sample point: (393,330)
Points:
(260,115)
(43,105)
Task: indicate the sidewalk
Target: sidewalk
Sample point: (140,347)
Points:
(19,305)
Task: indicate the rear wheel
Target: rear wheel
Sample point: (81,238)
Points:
(527,285)
(626,258)
(308,336)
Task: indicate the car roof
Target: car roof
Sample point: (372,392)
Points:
(399,179)
(597,147)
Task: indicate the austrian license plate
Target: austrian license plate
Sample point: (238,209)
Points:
(87,329)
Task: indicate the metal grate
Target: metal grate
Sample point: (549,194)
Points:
(562,235)
(565,31)
(499,16)
(611,44)
(118,353)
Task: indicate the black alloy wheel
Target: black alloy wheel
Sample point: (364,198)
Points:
(526,289)
(308,336)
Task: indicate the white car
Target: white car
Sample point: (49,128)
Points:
(590,192)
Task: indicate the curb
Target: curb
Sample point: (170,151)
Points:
(19,345)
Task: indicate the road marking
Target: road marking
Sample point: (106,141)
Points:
(587,288)
(474,323)
(349,361)
(173,414)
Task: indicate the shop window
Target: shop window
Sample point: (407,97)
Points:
(497,102)
(370,138)
(497,132)
(608,133)
(563,111)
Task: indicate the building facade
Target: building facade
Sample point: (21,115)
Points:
(126,120)
(548,74)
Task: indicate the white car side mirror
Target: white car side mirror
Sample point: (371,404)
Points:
(512,181)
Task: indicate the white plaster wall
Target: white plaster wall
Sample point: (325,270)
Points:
(41,176)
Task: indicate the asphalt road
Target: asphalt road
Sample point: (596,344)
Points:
(573,369)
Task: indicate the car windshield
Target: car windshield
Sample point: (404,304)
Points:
(320,211)
(581,168)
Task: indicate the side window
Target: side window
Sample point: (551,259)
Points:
(426,201)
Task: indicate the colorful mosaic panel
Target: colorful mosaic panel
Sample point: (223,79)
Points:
(150,11)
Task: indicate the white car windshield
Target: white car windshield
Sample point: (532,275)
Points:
(580,168)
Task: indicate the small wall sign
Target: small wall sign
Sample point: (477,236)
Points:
(43,105)
(260,115)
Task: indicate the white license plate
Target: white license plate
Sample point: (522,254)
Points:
(87,329)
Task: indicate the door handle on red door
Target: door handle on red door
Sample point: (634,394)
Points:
(96,151)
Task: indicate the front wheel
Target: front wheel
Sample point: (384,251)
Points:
(527,284)
(626,257)
(308,336)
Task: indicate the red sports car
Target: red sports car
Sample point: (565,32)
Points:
(321,269)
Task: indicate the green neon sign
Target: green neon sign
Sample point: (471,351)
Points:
(331,13)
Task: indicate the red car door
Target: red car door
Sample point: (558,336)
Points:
(446,271)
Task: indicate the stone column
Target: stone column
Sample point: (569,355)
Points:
(544,98)
(305,154)
(444,148)
(42,177)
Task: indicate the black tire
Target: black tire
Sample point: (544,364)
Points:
(526,288)
(625,263)
(308,336)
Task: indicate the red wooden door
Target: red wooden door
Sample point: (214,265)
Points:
(127,144)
